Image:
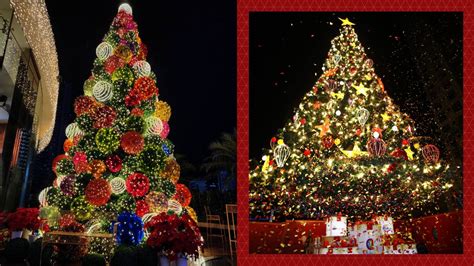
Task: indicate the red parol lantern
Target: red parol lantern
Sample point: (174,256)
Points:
(430,153)
(98,192)
(328,141)
(137,184)
(376,147)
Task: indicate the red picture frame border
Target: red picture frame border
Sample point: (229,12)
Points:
(244,7)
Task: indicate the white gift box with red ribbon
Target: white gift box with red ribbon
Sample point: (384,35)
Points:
(336,226)
(387,224)
(339,250)
(400,249)
(369,238)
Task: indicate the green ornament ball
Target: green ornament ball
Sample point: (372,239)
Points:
(81,209)
(152,161)
(123,77)
(107,140)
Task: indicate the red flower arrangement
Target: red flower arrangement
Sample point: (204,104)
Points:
(24,218)
(174,235)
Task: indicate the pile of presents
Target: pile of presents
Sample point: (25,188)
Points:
(376,236)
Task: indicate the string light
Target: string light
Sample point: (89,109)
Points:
(34,20)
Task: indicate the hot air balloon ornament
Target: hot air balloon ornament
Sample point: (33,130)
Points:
(281,153)
(430,153)
(376,147)
(362,116)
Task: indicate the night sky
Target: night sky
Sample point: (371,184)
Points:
(191,48)
(417,55)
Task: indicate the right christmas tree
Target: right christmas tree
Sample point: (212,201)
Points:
(350,149)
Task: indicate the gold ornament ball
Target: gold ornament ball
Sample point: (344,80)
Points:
(157,202)
(172,170)
(123,52)
(162,111)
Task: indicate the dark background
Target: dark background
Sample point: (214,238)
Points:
(417,55)
(191,48)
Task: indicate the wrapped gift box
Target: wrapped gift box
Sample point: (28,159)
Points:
(369,238)
(387,224)
(401,249)
(336,226)
(341,250)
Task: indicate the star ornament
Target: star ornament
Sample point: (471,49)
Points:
(324,127)
(339,95)
(346,22)
(360,89)
(409,153)
(386,117)
(356,151)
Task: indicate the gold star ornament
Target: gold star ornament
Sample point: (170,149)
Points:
(338,95)
(409,153)
(346,22)
(361,89)
(324,127)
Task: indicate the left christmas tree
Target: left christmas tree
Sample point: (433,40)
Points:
(118,160)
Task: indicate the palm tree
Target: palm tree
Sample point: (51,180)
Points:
(222,158)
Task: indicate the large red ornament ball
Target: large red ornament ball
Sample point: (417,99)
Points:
(114,163)
(112,63)
(144,88)
(137,184)
(68,143)
(328,141)
(141,208)
(104,116)
(57,159)
(132,142)
(183,195)
(98,192)
(430,153)
(376,147)
(83,105)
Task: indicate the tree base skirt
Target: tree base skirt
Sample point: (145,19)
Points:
(436,234)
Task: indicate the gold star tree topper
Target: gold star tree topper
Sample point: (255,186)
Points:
(346,22)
